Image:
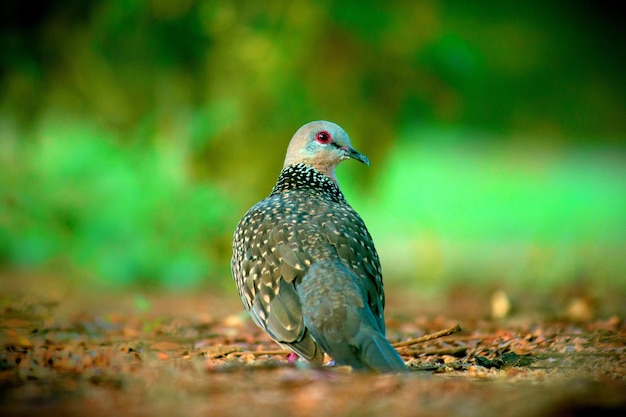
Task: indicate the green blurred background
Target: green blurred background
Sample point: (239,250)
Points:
(135,134)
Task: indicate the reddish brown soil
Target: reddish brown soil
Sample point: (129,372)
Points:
(97,353)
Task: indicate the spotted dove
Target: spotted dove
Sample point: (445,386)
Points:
(305,264)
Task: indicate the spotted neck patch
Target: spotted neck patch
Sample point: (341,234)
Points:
(303,176)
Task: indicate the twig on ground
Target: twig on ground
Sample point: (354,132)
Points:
(446,332)
(259,352)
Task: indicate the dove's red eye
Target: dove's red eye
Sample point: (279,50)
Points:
(323,137)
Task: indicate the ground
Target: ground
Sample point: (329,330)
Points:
(70,351)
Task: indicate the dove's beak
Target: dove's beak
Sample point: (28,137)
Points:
(354,154)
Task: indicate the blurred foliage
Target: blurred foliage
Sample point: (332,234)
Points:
(130,214)
(459,206)
(134,134)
